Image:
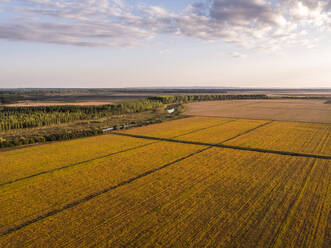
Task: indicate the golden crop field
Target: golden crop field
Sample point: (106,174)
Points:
(22,163)
(28,161)
(221,133)
(153,193)
(289,136)
(51,190)
(218,198)
(178,127)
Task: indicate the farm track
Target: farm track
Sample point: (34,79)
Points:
(105,156)
(221,145)
(96,194)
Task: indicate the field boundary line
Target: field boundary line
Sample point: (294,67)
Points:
(221,145)
(204,128)
(96,194)
(104,156)
(247,131)
(75,164)
(257,119)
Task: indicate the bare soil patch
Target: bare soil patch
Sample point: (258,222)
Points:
(281,110)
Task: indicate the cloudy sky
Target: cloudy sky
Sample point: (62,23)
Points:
(128,43)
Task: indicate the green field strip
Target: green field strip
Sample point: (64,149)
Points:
(103,156)
(284,153)
(215,198)
(25,201)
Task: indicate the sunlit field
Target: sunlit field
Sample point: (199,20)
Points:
(122,191)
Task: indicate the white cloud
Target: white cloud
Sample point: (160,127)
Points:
(166,51)
(79,35)
(252,24)
(82,23)
(310,12)
(238,55)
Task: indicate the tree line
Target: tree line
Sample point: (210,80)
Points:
(72,134)
(7,98)
(49,137)
(198,98)
(29,117)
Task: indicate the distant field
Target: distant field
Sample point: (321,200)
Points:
(45,103)
(282,110)
(116,191)
(75,99)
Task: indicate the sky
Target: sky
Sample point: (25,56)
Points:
(165,43)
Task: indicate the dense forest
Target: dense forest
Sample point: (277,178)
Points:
(18,141)
(27,117)
(40,116)
(9,97)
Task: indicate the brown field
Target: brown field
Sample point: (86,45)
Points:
(325,93)
(281,110)
(115,191)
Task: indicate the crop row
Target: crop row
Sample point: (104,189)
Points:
(258,200)
(289,136)
(28,199)
(219,197)
(25,162)
(22,163)
(282,136)
(179,127)
(219,134)
(295,137)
